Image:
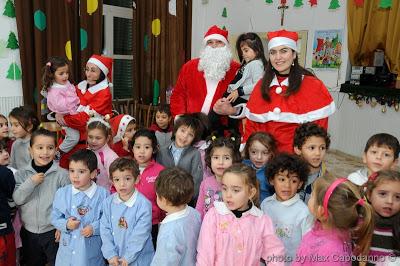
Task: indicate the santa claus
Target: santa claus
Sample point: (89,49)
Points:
(202,81)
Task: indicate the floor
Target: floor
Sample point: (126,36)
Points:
(341,164)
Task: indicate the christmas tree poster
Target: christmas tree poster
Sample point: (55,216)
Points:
(327,49)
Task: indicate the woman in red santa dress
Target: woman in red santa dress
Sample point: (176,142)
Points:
(95,100)
(285,97)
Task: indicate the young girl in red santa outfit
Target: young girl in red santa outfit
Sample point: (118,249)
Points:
(95,100)
(123,128)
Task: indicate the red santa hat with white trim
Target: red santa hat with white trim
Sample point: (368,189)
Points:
(215,33)
(119,124)
(105,65)
(283,37)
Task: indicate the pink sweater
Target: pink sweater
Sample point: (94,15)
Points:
(146,187)
(62,98)
(105,156)
(210,191)
(227,240)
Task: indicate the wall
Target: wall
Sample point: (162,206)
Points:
(11,90)
(350,126)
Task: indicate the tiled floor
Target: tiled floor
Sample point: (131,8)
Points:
(341,164)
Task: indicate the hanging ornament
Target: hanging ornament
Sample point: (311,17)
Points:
(12,41)
(351,97)
(313,2)
(384,109)
(223,27)
(146,42)
(359,3)
(396,106)
(91,6)
(68,50)
(14,72)
(84,39)
(385,4)
(373,103)
(268,1)
(224,13)
(298,3)
(39,18)
(172,7)
(156,27)
(9,9)
(334,4)
(156,92)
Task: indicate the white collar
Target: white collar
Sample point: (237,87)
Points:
(275,82)
(89,192)
(221,208)
(129,202)
(288,202)
(98,87)
(176,215)
(58,85)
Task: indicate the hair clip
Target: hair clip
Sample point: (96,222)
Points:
(98,120)
(373,176)
(361,202)
(233,139)
(213,138)
(48,64)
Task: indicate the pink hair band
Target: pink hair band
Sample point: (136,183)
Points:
(48,64)
(329,192)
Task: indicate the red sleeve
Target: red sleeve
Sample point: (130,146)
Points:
(178,102)
(77,121)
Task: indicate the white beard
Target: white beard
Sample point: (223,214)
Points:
(215,62)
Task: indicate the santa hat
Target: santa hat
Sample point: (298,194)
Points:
(282,37)
(119,124)
(104,63)
(215,33)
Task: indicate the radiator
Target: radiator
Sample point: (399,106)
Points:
(8,103)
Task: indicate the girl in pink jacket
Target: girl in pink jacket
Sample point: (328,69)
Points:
(144,150)
(235,231)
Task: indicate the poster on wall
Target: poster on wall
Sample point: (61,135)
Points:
(327,49)
(301,45)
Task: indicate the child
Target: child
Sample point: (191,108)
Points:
(187,131)
(125,226)
(259,150)
(23,122)
(61,97)
(144,151)
(203,144)
(123,129)
(163,125)
(220,155)
(381,153)
(77,211)
(36,186)
(338,209)
(179,231)
(291,217)
(383,192)
(235,231)
(98,135)
(4,132)
(251,54)
(311,142)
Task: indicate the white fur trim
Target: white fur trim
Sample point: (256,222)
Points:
(98,119)
(123,124)
(100,65)
(218,37)
(277,41)
(96,88)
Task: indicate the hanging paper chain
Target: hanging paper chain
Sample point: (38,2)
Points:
(313,2)
(268,1)
(385,3)
(334,4)
(298,3)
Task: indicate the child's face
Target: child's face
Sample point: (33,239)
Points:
(16,129)
(96,139)
(184,136)
(379,158)
(259,154)
(313,151)
(4,157)
(142,150)
(385,198)
(162,120)
(286,185)
(235,193)
(124,182)
(43,150)
(130,131)
(61,75)
(247,52)
(80,175)
(221,159)
(92,73)
(3,128)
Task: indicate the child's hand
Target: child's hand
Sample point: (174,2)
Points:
(123,262)
(38,178)
(113,261)
(87,231)
(72,223)
(60,119)
(57,236)
(125,143)
(233,96)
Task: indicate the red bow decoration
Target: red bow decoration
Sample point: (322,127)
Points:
(359,3)
(313,2)
(373,176)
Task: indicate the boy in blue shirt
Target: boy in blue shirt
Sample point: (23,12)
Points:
(125,227)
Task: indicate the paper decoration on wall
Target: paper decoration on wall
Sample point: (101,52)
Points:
(3,49)
(146,42)
(156,92)
(68,50)
(39,19)
(359,3)
(224,13)
(385,4)
(313,2)
(91,6)
(9,9)
(12,41)
(327,49)
(298,3)
(14,72)
(334,4)
(223,27)
(268,1)
(172,7)
(84,39)
(156,27)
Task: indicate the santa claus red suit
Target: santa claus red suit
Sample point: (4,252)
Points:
(194,92)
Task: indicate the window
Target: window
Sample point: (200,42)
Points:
(118,32)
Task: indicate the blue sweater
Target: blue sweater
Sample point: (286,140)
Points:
(266,189)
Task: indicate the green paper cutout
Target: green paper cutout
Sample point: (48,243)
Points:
(224,13)
(268,1)
(84,39)
(385,4)
(223,27)
(146,43)
(40,20)
(12,41)
(9,9)
(334,4)
(14,72)
(298,3)
(156,92)
(3,49)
